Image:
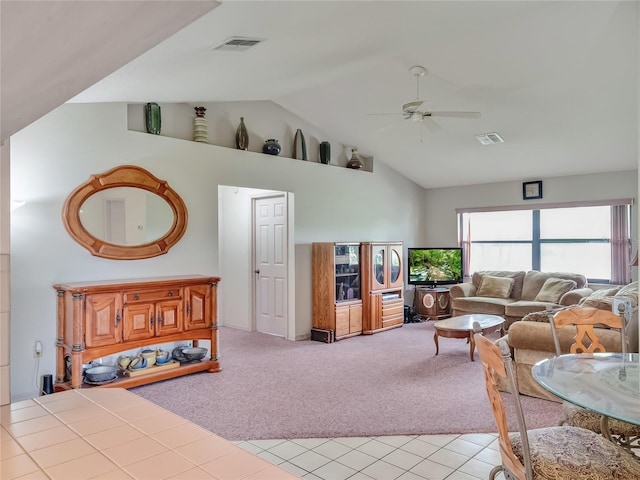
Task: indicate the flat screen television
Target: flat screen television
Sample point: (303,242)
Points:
(435,266)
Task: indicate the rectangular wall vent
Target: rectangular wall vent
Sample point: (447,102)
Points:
(489,138)
(237,44)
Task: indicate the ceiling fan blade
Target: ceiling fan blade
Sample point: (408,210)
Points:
(454,114)
(374,114)
(431,124)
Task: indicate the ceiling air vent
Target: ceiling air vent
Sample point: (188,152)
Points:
(489,138)
(237,44)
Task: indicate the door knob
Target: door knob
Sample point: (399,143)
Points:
(257,270)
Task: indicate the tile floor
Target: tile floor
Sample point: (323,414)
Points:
(405,457)
(113,434)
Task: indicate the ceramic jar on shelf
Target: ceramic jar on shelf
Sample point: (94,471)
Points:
(355,162)
(271,147)
(200,125)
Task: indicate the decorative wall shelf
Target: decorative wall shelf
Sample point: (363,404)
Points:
(177,122)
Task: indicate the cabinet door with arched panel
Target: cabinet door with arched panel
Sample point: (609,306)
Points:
(379,262)
(386,266)
(396,275)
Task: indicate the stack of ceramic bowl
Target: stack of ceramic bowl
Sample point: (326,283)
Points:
(101,374)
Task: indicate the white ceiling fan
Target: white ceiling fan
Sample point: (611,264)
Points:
(416,112)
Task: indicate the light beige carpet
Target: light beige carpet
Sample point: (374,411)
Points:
(384,384)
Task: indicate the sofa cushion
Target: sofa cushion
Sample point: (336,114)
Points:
(518,278)
(602,299)
(498,287)
(524,307)
(533,281)
(484,305)
(553,289)
(629,291)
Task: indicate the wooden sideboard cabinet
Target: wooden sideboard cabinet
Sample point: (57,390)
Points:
(383,302)
(97,319)
(337,303)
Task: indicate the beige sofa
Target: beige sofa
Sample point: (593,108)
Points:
(531,340)
(514,294)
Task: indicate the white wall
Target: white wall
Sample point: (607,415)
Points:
(61,150)
(441,204)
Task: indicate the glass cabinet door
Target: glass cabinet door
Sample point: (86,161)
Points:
(379,265)
(395,265)
(347,275)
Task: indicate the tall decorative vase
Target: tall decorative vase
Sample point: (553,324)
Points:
(299,146)
(325,152)
(152,118)
(242,136)
(200,125)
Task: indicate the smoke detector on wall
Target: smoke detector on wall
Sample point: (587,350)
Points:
(489,138)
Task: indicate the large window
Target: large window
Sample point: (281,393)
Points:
(580,239)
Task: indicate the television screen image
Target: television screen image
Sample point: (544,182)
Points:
(435,266)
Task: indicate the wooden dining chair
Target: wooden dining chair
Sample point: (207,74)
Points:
(553,453)
(586,340)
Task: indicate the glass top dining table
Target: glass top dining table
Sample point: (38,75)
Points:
(606,383)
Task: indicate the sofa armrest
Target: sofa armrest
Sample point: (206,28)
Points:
(458,290)
(573,297)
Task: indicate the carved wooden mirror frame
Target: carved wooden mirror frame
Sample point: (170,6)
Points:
(124,176)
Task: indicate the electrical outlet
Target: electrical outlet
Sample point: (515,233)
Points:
(37,349)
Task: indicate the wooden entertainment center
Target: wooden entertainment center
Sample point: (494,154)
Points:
(357,288)
(98,319)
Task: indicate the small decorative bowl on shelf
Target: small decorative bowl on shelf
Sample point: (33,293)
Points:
(124,361)
(194,354)
(162,357)
(138,363)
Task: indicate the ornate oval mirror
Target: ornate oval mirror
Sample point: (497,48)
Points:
(125,214)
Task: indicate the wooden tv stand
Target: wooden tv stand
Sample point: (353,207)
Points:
(97,319)
(432,303)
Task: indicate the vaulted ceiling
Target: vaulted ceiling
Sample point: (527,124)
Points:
(557,80)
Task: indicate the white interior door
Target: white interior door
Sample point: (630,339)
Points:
(270,253)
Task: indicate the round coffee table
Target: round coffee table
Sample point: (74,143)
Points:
(462,327)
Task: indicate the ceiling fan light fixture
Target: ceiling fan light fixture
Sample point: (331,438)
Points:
(489,138)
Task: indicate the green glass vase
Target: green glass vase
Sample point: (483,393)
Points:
(153,118)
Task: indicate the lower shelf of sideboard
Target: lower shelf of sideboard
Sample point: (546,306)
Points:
(211,366)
